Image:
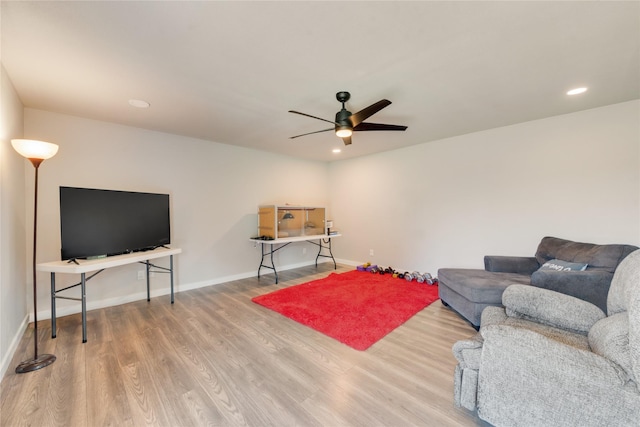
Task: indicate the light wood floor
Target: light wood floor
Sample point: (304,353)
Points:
(215,358)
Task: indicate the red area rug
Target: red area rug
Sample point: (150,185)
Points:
(356,308)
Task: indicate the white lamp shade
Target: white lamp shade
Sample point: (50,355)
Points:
(33,149)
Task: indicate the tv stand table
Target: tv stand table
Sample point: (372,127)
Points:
(98,265)
(323,242)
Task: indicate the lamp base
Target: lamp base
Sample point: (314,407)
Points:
(34,364)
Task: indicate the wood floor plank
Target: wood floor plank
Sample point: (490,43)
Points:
(67,405)
(107,403)
(216,358)
(199,356)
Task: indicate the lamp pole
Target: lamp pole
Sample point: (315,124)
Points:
(36,152)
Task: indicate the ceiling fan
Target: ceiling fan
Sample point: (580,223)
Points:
(346,123)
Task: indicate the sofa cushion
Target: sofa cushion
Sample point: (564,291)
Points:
(598,257)
(510,264)
(479,285)
(589,285)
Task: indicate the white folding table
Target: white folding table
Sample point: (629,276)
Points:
(82,267)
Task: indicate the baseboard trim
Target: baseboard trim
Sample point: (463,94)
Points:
(11,351)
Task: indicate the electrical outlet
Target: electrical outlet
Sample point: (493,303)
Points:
(140,274)
(304,251)
(370,252)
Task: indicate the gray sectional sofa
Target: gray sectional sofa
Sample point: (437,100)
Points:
(582,270)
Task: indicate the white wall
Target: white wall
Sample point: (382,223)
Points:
(448,203)
(215,192)
(13,259)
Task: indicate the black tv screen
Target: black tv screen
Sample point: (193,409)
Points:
(96,223)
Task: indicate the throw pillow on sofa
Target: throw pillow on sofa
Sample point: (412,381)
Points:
(559,265)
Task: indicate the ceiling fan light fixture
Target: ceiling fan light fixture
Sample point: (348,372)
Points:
(344,132)
(346,122)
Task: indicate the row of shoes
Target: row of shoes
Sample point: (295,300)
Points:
(409,277)
(420,278)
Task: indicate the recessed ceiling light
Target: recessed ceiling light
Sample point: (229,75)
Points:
(138,103)
(336,150)
(577,91)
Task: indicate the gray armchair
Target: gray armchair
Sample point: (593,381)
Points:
(550,359)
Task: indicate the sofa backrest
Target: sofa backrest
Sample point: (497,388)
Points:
(624,295)
(597,257)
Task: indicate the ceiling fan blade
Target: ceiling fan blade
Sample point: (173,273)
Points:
(364,114)
(378,126)
(311,133)
(347,140)
(313,117)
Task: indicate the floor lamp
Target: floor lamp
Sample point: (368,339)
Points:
(36,152)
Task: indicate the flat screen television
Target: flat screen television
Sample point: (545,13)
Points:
(96,223)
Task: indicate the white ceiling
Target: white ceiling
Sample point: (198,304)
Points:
(229,71)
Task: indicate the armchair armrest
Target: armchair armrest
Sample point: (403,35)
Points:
(551,308)
(589,285)
(467,352)
(510,264)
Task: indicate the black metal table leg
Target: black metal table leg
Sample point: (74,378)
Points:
(322,246)
(275,272)
(335,266)
(171,268)
(261,259)
(53,305)
(270,254)
(83,283)
(148,284)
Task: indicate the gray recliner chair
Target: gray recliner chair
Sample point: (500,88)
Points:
(550,359)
